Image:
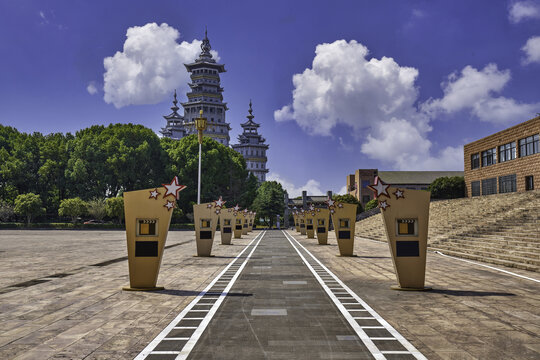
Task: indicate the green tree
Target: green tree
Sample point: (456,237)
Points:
(28,205)
(107,160)
(115,208)
(371,204)
(269,201)
(97,208)
(448,187)
(348,199)
(224,172)
(73,208)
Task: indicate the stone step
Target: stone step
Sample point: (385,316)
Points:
(494,251)
(491,255)
(517,265)
(492,241)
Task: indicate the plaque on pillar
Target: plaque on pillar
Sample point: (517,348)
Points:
(405,214)
(245,222)
(148,216)
(344,220)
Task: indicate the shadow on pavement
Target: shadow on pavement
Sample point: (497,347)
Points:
(195,293)
(469,293)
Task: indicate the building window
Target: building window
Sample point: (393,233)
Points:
(489,186)
(529,183)
(489,157)
(507,184)
(366,198)
(507,152)
(475,161)
(530,145)
(365,183)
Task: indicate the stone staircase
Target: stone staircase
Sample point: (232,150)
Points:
(501,229)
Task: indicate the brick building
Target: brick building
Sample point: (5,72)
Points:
(507,161)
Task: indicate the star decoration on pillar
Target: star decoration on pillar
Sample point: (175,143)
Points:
(311,207)
(332,211)
(218,211)
(169,205)
(173,188)
(236,208)
(380,188)
(318,210)
(330,203)
(245,211)
(399,194)
(383,205)
(209,206)
(154,194)
(219,203)
(313,214)
(340,205)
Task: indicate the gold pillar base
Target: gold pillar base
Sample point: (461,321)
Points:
(323,242)
(204,255)
(155,288)
(399,288)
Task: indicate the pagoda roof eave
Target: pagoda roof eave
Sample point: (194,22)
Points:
(196,64)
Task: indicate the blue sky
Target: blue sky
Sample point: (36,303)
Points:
(394,85)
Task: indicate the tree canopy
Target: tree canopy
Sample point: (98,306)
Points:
(349,199)
(448,187)
(269,201)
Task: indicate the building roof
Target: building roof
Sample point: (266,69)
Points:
(415,177)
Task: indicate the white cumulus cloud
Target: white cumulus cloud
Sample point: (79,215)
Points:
(532,50)
(344,87)
(91,88)
(150,66)
(476,90)
(313,187)
(523,10)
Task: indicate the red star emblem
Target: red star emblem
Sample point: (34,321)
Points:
(383,205)
(154,194)
(380,188)
(169,205)
(399,194)
(173,188)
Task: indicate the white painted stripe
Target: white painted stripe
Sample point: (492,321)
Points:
(487,266)
(359,330)
(177,338)
(383,338)
(152,345)
(356,310)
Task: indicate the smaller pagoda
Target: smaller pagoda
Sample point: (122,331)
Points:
(251,145)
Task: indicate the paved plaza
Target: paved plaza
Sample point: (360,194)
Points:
(270,295)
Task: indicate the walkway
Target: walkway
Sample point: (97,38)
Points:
(277,301)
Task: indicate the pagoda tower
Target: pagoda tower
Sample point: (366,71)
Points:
(206,94)
(252,147)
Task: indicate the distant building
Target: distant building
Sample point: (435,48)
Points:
(252,147)
(357,183)
(507,161)
(206,95)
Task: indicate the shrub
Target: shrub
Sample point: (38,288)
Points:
(6,211)
(97,208)
(371,204)
(73,208)
(448,187)
(115,208)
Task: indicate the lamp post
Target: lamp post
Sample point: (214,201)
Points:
(200,124)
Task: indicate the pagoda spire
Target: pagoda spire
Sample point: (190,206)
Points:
(175,107)
(250,116)
(205,47)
